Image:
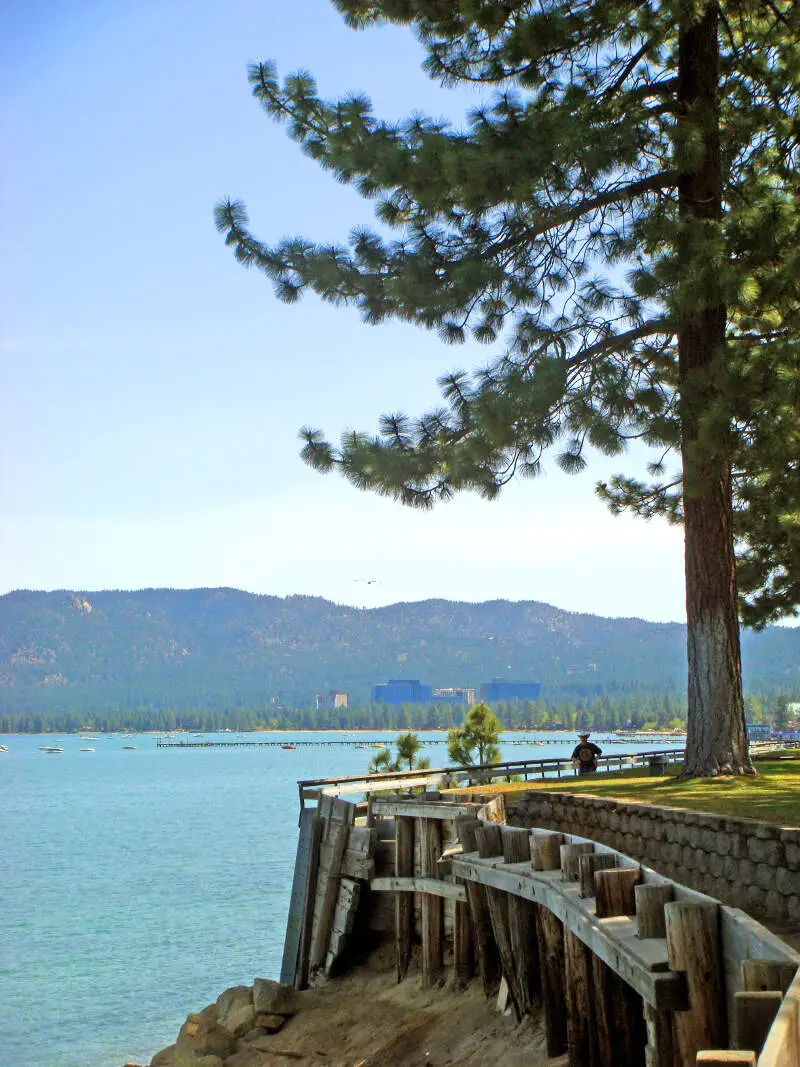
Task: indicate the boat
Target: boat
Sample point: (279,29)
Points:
(52,748)
(129,746)
(3,748)
(82,738)
(87,750)
(289,744)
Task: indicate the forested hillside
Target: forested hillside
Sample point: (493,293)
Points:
(223,649)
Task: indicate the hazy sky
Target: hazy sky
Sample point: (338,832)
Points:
(152,389)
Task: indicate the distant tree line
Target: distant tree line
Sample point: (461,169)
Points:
(607,712)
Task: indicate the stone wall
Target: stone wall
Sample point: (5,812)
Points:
(750,865)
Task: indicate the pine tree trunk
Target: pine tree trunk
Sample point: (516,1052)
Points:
(716,741)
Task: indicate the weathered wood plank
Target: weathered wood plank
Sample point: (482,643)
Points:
(294,924)
(725,1058)
(309,903)
(338,833)
(419,884)
(767,974)
(419,809)
(782,1047)
(640,963)
(754,1014)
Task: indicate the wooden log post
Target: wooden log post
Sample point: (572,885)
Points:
(753,1014)
(650,901)
(522,924)
(462,945)
(432,906)
(570,854)
(588,864)
(546,850)
(582,1048)
(693,947)
(489,839)
(620,1020)
(403,901)
(550,934)
(614,891)
(482,936)
(660,1046)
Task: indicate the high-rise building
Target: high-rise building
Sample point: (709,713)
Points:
(333,699)
(402,691)
(454,695)
(501,689)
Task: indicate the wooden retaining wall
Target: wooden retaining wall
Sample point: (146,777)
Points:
(625,966)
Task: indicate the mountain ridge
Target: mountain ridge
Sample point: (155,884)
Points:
(221,646)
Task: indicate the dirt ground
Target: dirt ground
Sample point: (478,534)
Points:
(366,1019)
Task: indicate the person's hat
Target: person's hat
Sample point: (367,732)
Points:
(584,735)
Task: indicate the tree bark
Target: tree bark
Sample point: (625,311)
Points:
(716,739)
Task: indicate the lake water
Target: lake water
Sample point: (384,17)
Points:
(137,885)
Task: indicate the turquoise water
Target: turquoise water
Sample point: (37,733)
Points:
(136,885)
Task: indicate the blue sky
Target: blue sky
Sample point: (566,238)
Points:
(151,389)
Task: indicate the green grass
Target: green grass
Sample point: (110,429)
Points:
(773,795)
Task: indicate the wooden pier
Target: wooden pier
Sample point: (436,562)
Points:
(624,966)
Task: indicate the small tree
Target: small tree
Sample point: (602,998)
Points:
(382,763)
(476,741)
(407,745)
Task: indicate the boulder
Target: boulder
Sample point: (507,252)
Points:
(235,1009)
(273,998)
(198,1061)
(233,999)
(164,1058)
(202,1035)
(270,1023)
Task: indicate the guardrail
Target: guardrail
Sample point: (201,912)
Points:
(484,773)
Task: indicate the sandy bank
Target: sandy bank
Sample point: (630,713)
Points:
(366,1019)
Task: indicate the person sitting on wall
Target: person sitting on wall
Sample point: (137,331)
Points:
(584,755)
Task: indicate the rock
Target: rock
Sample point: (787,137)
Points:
(235,1009)
(270,1023)
(250,1057)
(201,1035)
(232,1000)
(199,1061)
(272,998)
(164,1058)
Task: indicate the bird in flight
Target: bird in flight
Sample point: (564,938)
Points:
(368,581)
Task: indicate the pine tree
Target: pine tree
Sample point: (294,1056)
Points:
(621,219)
(476,741)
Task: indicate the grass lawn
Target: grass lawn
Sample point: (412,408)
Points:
(773,795)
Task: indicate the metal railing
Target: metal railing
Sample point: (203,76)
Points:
(484,773)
